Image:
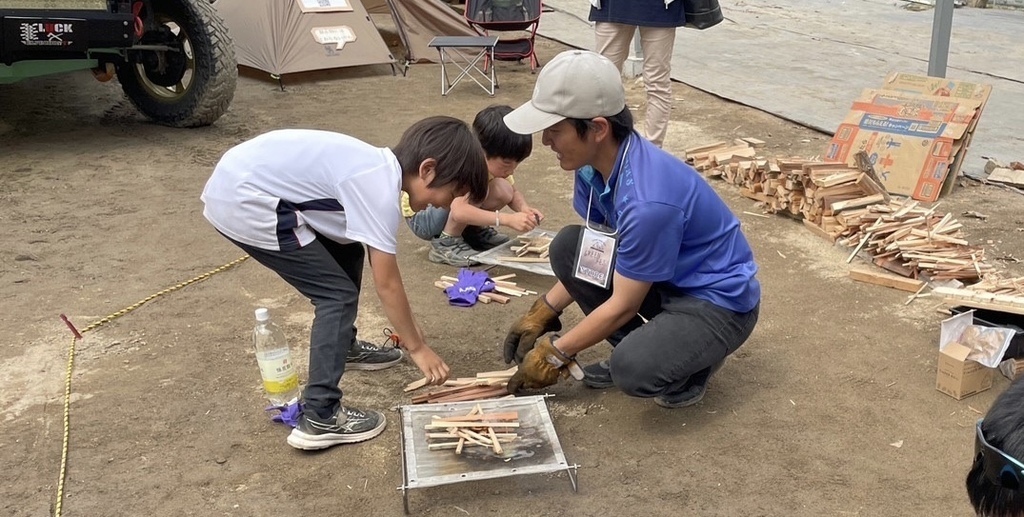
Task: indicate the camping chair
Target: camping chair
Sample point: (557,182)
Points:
(485,16)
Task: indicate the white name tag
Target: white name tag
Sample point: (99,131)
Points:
(596,257)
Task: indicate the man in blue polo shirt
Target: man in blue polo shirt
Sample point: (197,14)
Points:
(659,266)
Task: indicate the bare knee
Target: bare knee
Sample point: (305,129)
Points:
(499,194)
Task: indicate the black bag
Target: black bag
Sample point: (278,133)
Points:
(701,14)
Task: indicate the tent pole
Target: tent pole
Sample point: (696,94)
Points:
(401,33)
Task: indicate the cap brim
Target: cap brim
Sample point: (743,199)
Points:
(527,119)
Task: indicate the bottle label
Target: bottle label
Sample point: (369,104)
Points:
(278,371)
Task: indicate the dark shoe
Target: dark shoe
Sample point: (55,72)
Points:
(364,356)
(693,392)
(483,238)
(348,425)
(452,251)
(598,375)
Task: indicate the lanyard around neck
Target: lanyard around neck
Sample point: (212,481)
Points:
(615,190)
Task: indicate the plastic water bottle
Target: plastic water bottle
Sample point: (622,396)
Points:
(280,379)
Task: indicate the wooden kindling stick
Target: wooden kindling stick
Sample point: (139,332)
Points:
(856,250)
(508,415)
(507,437)
(917,294)
(474,437)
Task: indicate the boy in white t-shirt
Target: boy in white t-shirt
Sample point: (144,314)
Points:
(457,233)
(308,204)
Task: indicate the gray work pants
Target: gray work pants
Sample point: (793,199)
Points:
(330,275)
(684,336)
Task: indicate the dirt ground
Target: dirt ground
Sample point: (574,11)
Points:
(100,209)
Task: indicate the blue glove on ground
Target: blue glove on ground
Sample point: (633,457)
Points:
(468,288)
(288,414)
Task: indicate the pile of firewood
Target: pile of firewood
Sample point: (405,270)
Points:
(1000,286)
(911,240)
(474,429)
(849,205)
(717,155)
(485,385)
(503,288)
(1000,295)
(816,191)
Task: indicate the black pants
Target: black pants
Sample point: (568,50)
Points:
(330,275)
(684,336)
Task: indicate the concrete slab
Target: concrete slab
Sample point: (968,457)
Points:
(806,60)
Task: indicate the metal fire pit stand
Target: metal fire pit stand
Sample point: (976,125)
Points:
(536,449)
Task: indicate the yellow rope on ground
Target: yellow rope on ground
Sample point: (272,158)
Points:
(71,361)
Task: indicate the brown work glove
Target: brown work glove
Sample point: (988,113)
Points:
(540,319)
(541,367)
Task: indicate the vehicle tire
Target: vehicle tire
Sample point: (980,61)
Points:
(190,88)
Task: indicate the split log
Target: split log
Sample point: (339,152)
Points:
(887,280)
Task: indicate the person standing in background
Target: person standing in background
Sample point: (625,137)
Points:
(615,23)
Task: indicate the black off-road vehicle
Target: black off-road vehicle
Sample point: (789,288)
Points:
(173,58)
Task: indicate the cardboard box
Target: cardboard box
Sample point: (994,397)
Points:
(942,87)
(957,376)
(937,86)
(923,108)
(916,131)
(911,140)
(911,159)
(1001,319)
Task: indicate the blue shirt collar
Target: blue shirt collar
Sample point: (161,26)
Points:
(596,180)
(604,192)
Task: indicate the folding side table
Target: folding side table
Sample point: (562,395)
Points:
(465,52)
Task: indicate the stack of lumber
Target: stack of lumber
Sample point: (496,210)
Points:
(474,429)
(997,286)
(911,240)
(713,158)
(870,276)
(1012,303)
(737,163)
(819,192)
(485,385)
(1012,174)
(848,204)
(503,288)
(530,249)
(837,195)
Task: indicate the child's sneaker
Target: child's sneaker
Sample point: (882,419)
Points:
(364,356)
(452,251)
(483,238)
(348,425)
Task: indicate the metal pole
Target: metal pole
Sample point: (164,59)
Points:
(635,62)
(942,27)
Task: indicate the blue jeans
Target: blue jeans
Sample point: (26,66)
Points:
(684,336)
(428,224)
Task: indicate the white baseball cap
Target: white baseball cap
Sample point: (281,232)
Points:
(576,84)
